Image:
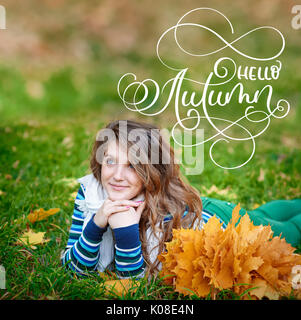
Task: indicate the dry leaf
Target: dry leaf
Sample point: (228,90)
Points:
(255,206)
(118,286)
(261,175)
(67,142)
(41,214)
(31,238)
(241,257)
(70,182)
(25,134)
(16,163)
(284,176)
(214,189)
(290,142)
(73,195)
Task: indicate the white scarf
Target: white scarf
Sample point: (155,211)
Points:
(95,195)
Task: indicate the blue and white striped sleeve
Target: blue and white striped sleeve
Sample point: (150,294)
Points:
(207,215)
(82,251)
(129,261)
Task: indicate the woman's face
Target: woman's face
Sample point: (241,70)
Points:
(118,176)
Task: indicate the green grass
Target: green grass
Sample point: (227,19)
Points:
(35,160)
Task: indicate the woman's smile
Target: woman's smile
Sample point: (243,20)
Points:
(117,187)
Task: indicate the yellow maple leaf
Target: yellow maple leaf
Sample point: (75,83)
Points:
(41,214)
(31,238)
(118,286)
(73,195)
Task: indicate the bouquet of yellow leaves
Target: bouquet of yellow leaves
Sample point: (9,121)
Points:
(241,257)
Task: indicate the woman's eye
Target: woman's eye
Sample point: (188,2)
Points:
(131,166)
(109,161)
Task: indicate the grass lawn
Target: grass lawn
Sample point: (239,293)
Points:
(43,153)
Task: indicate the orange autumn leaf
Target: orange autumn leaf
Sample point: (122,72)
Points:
(241,257)
(41,214)
(118,286)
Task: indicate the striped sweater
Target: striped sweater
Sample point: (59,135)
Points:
(81,254)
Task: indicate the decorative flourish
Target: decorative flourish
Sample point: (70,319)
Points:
(142,96)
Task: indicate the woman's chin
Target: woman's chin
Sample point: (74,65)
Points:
(119,196)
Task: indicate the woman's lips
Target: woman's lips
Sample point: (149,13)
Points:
(115,187)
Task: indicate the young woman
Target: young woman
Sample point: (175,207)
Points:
(127,207)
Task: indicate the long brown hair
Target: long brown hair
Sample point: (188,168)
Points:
(166,190)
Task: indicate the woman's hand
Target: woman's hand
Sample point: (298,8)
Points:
(110,207)
(126,218)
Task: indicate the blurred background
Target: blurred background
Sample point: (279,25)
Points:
(60,56)
(60,62)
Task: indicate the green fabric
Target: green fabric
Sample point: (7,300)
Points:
(284,216)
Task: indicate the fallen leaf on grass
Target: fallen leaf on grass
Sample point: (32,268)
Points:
(70,182)
(31,238)
(289,141)
(222,192)
(295,192)
(284,176)
(261,175)
(16,163)
(25,134)
(73,195)
(41,214)
(118,286)
(68,142)
(255,206)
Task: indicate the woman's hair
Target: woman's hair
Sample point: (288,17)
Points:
(165,191)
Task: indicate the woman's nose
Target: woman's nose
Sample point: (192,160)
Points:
(119,173)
